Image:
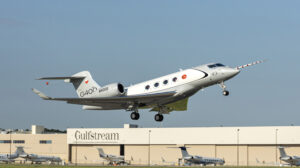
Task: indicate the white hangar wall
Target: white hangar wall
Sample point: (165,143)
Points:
(193,135)
(237,145)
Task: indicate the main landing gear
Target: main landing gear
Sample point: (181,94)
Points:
(158,117)
(135,115)
(225,92)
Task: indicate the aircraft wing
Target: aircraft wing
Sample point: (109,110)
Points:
(123,101)
(180,105)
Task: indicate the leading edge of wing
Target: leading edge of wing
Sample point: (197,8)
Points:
(138,98)
(61,78)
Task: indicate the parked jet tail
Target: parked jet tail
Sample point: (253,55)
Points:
(184,151)
(282,151)
(101,152)
(82,82)
(20,150)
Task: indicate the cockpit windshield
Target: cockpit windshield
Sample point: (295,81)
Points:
(215,65)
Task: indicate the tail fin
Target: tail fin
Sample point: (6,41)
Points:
(101,152)
(83,83)
(282,151)
(86,86)
(20,150)
(184,151)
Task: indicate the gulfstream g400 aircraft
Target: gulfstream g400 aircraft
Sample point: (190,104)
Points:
(163,95)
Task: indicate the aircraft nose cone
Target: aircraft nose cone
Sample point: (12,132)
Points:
(232,71)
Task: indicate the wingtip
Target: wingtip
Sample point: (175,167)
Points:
(40,94)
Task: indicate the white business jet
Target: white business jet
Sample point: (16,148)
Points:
(194,159)
(163,95)
(112,159)
(38,159)
(292,160)
(8,158)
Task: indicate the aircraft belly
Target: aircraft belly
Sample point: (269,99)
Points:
(107,106)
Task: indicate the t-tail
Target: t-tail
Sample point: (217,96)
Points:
(184,152)
(83,83)
(20,151)
(101,152)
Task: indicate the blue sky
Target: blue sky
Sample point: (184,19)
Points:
(133,41)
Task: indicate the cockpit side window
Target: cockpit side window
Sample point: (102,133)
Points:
(219,65)
(215,65)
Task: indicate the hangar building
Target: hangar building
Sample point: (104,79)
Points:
(237,145)
(142,146)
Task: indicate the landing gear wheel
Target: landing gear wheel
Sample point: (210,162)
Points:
(134,116)
(158,117)
(225,93)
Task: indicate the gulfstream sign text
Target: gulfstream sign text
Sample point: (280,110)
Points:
(93,135)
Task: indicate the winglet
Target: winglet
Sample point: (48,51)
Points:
(42,95)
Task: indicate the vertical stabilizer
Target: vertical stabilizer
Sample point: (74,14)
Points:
(101,152)
(85,86)
(82,81)
(184,151)
(20,150)
(282,151)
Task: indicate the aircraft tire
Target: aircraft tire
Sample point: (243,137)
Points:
(225,92)
(158,117)
(134,116)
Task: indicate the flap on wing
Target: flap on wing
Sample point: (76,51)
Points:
(180,105)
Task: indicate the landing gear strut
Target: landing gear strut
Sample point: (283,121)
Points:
(159,117)
(225,92)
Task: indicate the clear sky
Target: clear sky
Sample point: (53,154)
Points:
(133,41)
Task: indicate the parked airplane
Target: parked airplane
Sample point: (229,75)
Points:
(292,160)
(166,162)
(38,159)
(112,159)
(163,95)
(193,159)
(270,163)
(7,158)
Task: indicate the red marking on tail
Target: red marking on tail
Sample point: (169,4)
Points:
(87,81)
(47,83)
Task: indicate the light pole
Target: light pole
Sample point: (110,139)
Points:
(76,153)
(149,147)
(276,144)
(10,145)
(237,147)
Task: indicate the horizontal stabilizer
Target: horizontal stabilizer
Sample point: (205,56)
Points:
(62,78)
(42,95)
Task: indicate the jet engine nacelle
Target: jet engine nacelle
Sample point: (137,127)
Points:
(112,90)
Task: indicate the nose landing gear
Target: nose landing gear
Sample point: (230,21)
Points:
(225,92)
